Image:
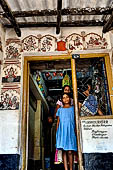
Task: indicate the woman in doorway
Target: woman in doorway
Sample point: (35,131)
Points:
(88,104)
(65,135)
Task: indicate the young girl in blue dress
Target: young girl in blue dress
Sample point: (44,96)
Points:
(65,135)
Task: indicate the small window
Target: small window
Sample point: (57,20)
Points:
(93,71)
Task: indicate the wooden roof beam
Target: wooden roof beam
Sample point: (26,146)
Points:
(63,24)
(66,11)
(109,24)
(59,7)
(10,16)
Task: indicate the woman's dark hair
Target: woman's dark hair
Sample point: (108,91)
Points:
(66,86)
(83,84)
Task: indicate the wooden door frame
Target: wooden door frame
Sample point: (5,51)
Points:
(28,59)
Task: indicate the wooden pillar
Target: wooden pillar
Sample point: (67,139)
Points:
(38,139)
(74,83)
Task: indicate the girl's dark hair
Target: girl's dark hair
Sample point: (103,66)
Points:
(66,86)
(68,94)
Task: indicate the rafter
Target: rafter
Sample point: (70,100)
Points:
(9,15)
(63,24)
(109,24)
(87,11)
(66,11)
(59,7)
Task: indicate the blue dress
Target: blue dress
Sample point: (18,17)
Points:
(65,135)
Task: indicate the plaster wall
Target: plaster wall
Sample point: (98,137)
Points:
(14,50)
(9,131)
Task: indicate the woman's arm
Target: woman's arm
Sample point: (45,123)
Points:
(57,107)
(79,106)
(99,112)
(58,121)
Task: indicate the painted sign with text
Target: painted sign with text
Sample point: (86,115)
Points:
(97,135)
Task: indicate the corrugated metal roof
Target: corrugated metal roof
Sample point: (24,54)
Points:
(26,5)
(72,11)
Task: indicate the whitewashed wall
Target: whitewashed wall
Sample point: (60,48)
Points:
(13,54)
(9,119)
(9,132)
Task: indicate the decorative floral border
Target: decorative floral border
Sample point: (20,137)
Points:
(72,42)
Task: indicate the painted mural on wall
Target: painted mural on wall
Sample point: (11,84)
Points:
(10,98)
(11,72)
(95,41)
(39,43)
(70,43)
(30,43)
(85,41)
(13,49)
